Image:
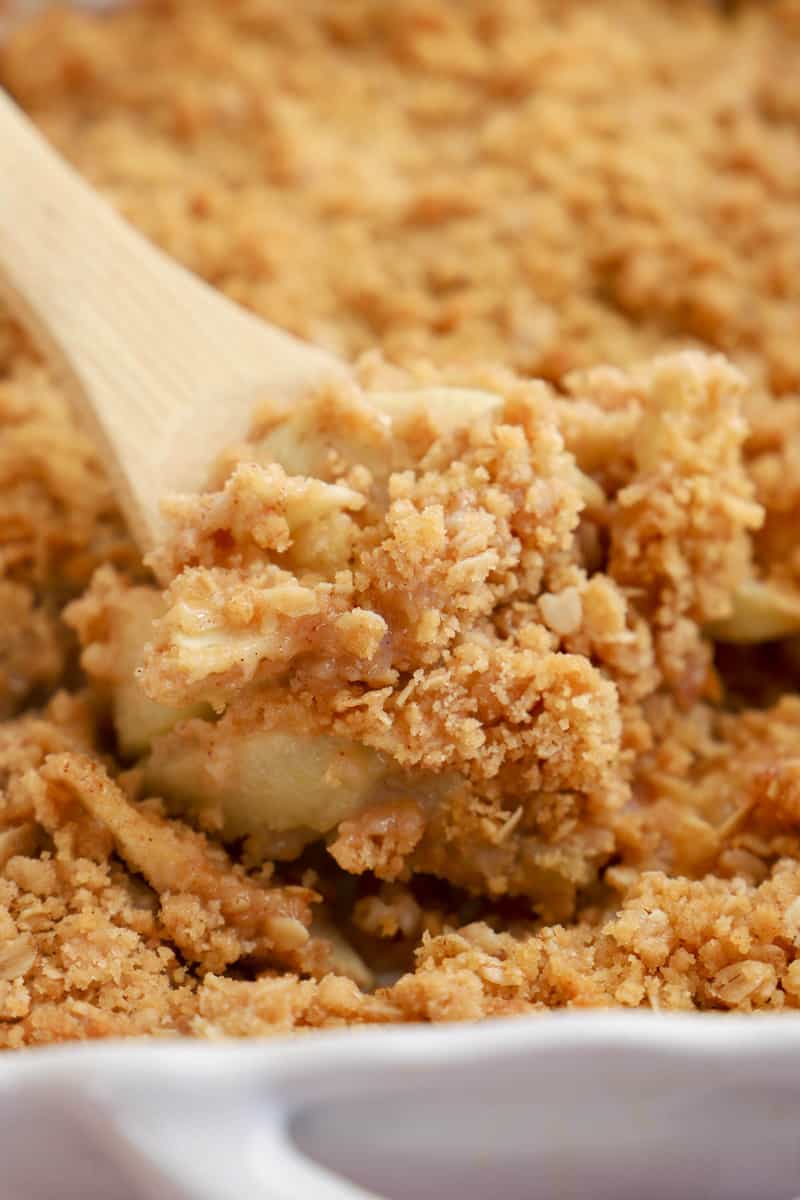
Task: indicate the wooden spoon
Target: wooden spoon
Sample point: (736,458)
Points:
(164,369)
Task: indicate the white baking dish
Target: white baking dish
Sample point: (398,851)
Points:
(601,1106)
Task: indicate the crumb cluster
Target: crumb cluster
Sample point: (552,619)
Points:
(471,685)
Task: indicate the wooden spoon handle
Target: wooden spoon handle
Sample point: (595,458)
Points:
(67,264)
(163,369)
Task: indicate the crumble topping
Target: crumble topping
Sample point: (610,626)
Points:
(469,687)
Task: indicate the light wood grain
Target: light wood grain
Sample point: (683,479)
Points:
(164,370)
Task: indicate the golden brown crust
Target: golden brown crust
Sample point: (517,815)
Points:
(675,218)
(674,944)
(477,638)
(57,522)
(505,678)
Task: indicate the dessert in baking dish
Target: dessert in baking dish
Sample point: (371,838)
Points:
(470,686)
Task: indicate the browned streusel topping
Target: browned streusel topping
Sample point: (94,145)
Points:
(451,652)
(454,180)
(482,642)
(57,522)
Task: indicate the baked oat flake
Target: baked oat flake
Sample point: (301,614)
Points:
(469,687)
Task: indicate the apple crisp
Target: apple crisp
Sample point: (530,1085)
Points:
(470,685)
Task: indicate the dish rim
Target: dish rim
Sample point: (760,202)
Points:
(713,1034)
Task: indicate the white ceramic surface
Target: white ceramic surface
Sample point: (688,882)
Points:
(601,1106)
(596,1106)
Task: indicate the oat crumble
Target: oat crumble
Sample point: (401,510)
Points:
(470,686)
